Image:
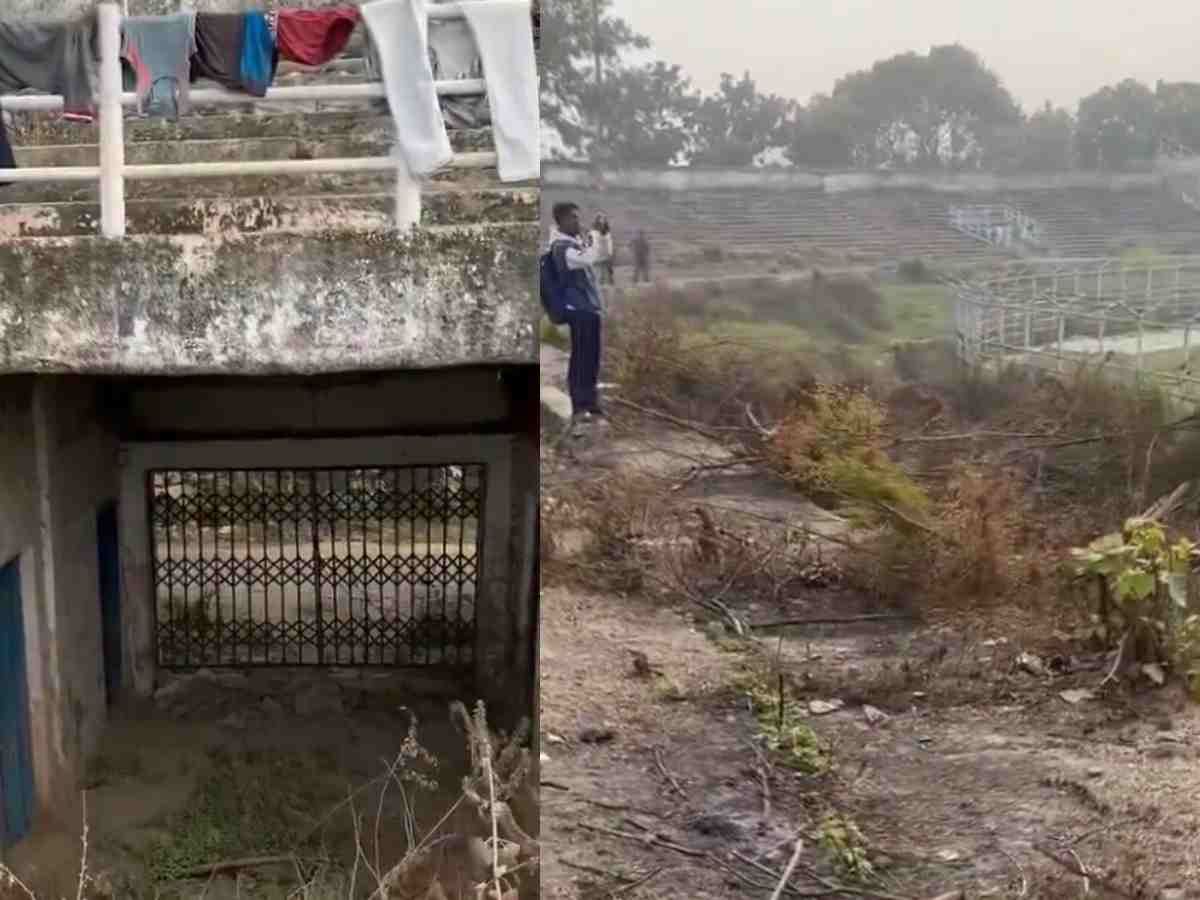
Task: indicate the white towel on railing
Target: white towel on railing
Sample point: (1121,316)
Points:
(504,36)
(400,30)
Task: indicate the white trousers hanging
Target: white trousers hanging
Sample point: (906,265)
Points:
(400,29)
(504,36)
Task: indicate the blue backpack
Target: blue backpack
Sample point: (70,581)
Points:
(553,288)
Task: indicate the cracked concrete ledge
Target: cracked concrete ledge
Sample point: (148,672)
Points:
(270,303)
(322,212)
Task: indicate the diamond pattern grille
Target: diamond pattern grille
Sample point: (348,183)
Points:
(365,566)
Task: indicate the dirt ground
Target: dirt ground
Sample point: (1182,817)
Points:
(966,767)
(228,766)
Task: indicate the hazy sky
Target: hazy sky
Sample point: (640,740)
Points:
(1058,50)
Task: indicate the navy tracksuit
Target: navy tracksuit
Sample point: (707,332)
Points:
(583,318)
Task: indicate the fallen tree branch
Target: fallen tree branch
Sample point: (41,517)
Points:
(787,873)
(229,865)
(652,839)
(1112,673)
(662,767)
(831,887)
(645,879)
(701,430)
(831,620)
(967,436)
(695,471)
(1075,866)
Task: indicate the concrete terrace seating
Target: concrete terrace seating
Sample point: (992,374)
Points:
(1097,222)
(867,226)
(895,223)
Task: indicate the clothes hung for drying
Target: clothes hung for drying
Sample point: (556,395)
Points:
(57,58)
(313,37)
(260,58)
(159,49)
(496,39)
(400,32)
(454,56)
(218,54)
(503,35)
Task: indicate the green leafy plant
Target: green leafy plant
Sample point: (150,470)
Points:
(783,729)
(1143,580)
(842,839)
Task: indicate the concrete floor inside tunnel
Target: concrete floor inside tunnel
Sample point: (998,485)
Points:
(299,773)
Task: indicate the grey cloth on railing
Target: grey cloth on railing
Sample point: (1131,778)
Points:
(160,48)
(52,58)
(452,55)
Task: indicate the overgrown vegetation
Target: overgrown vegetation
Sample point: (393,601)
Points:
(961,493)
(249,811)
(831,447)
(1142,580)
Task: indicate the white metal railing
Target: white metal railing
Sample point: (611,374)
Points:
(112,171)
(1001,225)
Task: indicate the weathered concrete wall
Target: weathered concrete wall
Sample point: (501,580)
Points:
(276,303)
(18,482)
(583,177)
(58,466)
(82,478)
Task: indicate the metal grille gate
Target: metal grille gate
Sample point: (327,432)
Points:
(316,566)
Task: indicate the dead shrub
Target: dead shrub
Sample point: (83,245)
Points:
(831,447)
(983,512)
(605,522)
(978,552)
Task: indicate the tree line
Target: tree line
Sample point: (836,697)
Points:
(943,110)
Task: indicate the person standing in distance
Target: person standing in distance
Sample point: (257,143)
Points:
(582,308)
(641,257)
(602,237)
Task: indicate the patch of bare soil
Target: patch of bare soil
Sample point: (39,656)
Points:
(977,756)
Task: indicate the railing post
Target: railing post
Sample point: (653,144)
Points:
(408,195)
(112,124)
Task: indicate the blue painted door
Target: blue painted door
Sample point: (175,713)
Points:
(16,759)
(110,597)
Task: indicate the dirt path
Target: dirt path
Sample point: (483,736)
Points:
(961,768)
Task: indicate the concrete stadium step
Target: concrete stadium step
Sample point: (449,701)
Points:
(248,186)
(267,215)
(328,234)
(214,124)
(213,150)
(300,125)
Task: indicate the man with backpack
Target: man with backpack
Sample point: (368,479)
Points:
(571,296)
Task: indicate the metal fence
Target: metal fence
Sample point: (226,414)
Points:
(1137,319)
(317,566)
(113,171)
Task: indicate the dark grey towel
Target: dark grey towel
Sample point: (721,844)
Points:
(218,55)
(54,58)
